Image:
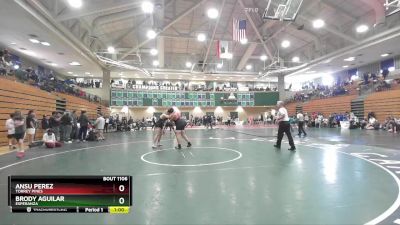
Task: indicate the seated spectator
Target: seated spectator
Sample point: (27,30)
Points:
(393,125)
(372,124)
(49,139)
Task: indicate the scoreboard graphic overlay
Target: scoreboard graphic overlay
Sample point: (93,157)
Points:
(70,194)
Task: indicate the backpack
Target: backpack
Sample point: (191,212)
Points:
(92,136)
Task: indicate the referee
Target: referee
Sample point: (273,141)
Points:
(284,127)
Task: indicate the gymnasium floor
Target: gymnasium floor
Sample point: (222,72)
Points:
(230,177)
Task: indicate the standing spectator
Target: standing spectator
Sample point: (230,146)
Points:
(30,126)
(66,124)
(99,124)
(84,123)
(49,139)
(107,122)
(74,131)
(306,119)
(54,122)
(19,134)
(45,122)
(10,131)
(300,119)
(111,122)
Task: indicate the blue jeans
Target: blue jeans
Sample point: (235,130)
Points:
(82,133)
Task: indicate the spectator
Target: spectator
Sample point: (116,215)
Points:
(83,123)
(55,122)
(49,139)
(300,120)
(30,126)
(45,122)
(19,134)
(10,131)
(99,124)
(75,130)
(66,124)
(107,123)
(372,123)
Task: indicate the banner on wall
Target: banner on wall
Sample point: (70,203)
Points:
(223,49)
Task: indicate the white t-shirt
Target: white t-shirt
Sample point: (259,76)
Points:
(372,120)
(49,138)
(300,117)
(100,122)
(107,120)
(283,112)
(10,126)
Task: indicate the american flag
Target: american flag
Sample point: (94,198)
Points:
(239,29)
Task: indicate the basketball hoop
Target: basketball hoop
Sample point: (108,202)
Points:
(392,7)
(283,10)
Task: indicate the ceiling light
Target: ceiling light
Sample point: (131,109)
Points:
(28,52)
(362,28)
(70,73)
(45,43)
(16,66)
(111,49)
(53,64)
(87,73)
(318,23)
(345,66)
(75,3)
(75,75)
(212,13)
(384,55)
(13,43)
(249,67)
(34,40)
(219,65)
(151,34)
(263,57)
(296,59)
(194,76)
(201,37)
(74,63)
(156,63)
(147,7)
(350,59)
(243,41)
(188,64)
(153,51)
(285,44)
(90,75)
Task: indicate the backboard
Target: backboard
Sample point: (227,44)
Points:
(392,7)
(283,10)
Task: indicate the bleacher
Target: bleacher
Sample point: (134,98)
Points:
(328,106)
(384,104)
(291,108)
(79,104)
(23,97)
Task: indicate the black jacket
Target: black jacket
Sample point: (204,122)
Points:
(83,120)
